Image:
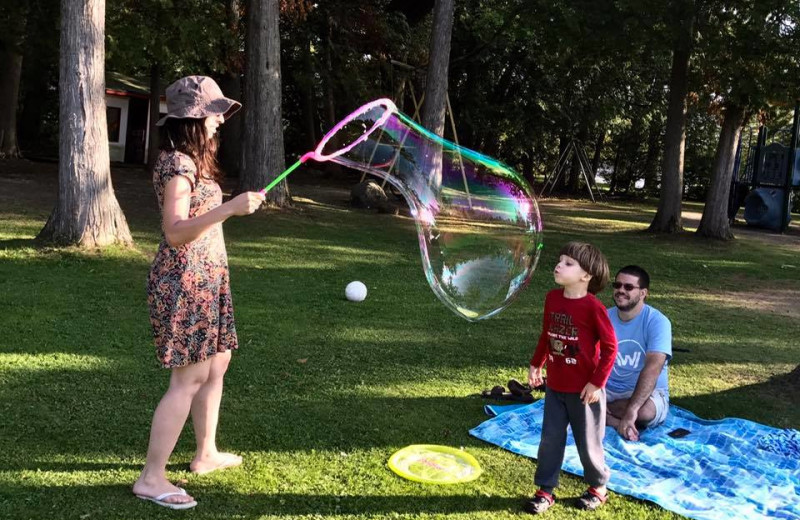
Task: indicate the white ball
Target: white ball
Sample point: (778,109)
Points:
(356,291)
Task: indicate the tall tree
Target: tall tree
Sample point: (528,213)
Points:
(12,30)
(433,111)
(714,222)
(37,121)
(262,150)
(751,61)
(668,215)
(230,149)
(87,213)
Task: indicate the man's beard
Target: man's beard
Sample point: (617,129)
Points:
(625,307)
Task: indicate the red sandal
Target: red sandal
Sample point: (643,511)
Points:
(541,502)
(591,499)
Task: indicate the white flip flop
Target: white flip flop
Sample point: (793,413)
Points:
(171,505)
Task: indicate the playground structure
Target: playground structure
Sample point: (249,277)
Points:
(407,82)
(763,182)
(574,151)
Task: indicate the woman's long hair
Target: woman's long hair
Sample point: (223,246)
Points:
(188,136)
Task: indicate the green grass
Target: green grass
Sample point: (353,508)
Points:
(323,391)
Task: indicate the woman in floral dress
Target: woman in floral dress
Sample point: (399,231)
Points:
(188,287)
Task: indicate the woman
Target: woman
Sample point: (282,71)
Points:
(191,310)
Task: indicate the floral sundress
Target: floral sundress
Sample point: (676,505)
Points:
(188,287)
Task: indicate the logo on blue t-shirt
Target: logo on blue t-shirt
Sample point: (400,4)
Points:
(633,357)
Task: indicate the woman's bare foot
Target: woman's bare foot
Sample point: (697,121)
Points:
(150,488)
(213,462)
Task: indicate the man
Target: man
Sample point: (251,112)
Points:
(637,389)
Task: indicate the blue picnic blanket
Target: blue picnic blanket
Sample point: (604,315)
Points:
(718,471)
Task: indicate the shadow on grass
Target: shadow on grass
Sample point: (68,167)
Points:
(20,243)
(772,398)
(104,501)
(84,419)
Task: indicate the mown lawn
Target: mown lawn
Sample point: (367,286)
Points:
(323,391)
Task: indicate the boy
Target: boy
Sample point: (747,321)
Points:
(579,347)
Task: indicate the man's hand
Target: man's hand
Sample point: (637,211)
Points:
(627,427)
(590,394)
(535,376)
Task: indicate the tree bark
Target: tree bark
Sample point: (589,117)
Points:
(263,153)
(230,136)
(155,108)
(308,98)
(327,78)
(39,79)
(651,160)
(668,215)
(794,377)
(715,223)
(615,173)
(598,149)
(87,213)
(433,111)
(11,65)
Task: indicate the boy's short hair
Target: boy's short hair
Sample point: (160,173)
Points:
(591,260)
(638,272)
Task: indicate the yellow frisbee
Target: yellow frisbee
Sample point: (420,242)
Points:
(433,464)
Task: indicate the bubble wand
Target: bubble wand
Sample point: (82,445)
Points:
(319,156)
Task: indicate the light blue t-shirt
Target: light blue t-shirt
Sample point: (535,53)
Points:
(650,331)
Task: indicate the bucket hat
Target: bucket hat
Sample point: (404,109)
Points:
(197,97)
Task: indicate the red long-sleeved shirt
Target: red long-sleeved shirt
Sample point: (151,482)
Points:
(577,342)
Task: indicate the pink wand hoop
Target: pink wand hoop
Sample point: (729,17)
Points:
(318,154)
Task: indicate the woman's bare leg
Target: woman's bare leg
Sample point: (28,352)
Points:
(168,421)
(205,418)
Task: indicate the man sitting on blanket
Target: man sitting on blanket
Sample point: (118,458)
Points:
(637,391)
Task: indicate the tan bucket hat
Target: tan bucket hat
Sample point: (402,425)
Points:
(197,97)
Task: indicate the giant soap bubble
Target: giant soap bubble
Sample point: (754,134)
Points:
(478,224)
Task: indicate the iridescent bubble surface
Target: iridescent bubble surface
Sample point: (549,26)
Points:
(478,224)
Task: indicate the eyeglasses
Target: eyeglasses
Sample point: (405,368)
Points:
(627,286)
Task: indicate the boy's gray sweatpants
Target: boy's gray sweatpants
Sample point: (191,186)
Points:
(588,428)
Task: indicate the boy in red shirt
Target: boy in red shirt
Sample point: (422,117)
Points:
(579,347)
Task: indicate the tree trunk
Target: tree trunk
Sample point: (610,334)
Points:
(155,107)
(615,174)
(230,136)
(327,78)
(668,215)
(651,160)
(11,65)
(308,99)
(433,111)
(87,213)
(39,79)
(331,169)
(598,149)
(794,377)
(715,223)
(263,154)
(528,172)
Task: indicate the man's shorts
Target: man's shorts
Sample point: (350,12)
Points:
(660,399)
